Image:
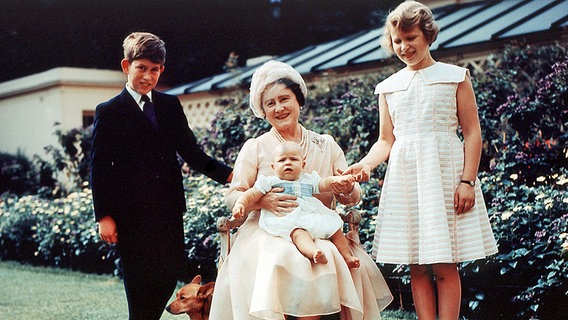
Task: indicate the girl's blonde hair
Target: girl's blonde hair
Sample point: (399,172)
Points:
(407,15)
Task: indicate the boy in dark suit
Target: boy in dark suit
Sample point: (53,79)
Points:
(136,179)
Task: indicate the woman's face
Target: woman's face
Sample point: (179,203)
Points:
(281,107)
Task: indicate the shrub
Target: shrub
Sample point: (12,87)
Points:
(16,174)
(62,169)
(522,97)
(67,164)
(205,204)
(62,232)
(530,274)
(59,232)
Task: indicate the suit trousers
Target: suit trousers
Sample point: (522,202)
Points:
(151,248)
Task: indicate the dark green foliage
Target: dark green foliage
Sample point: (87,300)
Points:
(54,232)
(522,100)
(16,174)
(523,104)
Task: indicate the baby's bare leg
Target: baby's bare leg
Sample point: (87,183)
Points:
(305,244)
(339,240)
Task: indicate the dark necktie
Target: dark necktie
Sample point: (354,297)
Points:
(150,111)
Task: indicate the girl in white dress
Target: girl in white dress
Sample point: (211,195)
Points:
(432,214)
(311,219)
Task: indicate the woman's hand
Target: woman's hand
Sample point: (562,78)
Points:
(238,210)
(277,202)
(360,172)
(464,198)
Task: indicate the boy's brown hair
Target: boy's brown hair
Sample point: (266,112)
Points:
(144,45)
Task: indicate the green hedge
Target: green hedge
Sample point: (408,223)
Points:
(522,96)
(59,232)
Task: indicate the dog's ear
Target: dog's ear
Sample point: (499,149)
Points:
(196,279)
(206,290)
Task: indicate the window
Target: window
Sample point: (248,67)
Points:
(88,118)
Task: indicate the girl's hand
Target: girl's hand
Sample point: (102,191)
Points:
(277,202)
(464,198)
(360,172)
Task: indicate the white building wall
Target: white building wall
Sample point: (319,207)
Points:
(26,122)
(30,106)
(76,99)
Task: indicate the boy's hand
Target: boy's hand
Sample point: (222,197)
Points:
(107,230)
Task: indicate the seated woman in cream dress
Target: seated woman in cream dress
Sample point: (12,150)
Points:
(266,277)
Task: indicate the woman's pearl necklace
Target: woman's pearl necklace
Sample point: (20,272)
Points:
(303,141)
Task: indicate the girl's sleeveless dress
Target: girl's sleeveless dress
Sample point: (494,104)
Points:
(320,221)
(416,222)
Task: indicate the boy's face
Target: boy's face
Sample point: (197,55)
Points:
(143,74)
(288,164)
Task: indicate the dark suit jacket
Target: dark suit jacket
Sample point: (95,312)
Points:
(133,167)
(136,178)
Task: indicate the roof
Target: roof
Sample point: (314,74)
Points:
(62,76)
(461,27)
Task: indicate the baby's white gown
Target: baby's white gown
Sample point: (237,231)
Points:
(311,214)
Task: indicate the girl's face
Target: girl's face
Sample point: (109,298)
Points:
(281,107)
(412,48)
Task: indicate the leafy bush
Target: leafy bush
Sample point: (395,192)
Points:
(205,205)
(62,232)
(522,98)
(230,128)
(16,174)
(62,169)
(524,115)
(530,274)
(59,232)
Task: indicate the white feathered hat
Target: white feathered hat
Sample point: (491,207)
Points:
(267,74)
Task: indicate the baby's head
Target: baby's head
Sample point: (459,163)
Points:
(288,161)
(407,15)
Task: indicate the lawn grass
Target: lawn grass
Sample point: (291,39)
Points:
(55,294)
